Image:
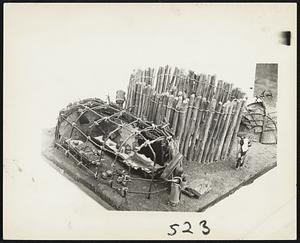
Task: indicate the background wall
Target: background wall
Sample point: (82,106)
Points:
(266,80)
(57,53)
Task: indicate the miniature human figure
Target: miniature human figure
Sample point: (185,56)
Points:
(245,143)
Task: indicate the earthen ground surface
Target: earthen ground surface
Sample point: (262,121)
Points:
(222,177)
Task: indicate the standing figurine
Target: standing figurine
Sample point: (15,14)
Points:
(244,145)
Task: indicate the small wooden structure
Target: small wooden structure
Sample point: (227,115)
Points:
(204,113)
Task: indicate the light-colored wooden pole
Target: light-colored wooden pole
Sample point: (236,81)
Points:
(153,107)
(200,85)
(164,107)
(169,108)
(222,90)
(137,97)
(187,120)
(147,95)
(163,79)
(223,132)
(192,147)
(231,128)
(217,94)
(141,99)
(201,130)
(218,130)
(158,77)
(168,83)
(237,126)
(212,87)
(176,114)
(211,132)
(159,109)
(132,92)
(173,79)
(225,91)
(156,104)
(181,119)
(191,127)
(211,110)
(175,101)
(206,86)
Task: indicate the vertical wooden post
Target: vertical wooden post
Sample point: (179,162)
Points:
(211,87)
(175,101)
(230,128)
(142,100)
(159,108)
(129,92)
(225,91)
(181,119)
(173,80)
(211,110)
(181,82)
(223,132)
(149,76)
(187,121)
(190,89)
(158,77)
(147,95)
(237,126)
(198,126)
(152,107)
(229,91)
(152,75)
(189,83)
(176,114)
(221,93)
(146,99)
(176,84)
(133,92)
(205,87)
(191,128)
(217,94)
(168,82)
(164,107)
(162,80)
(200,85)
(156,103)
(169,108)
(211,132)
(218,130)
(137,97)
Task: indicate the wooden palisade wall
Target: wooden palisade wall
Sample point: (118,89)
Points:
(203,113)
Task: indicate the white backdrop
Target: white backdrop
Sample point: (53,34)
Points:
(57,53)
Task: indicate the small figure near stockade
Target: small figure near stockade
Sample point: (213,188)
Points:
(243,146)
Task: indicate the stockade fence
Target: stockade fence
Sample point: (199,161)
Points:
(203,113)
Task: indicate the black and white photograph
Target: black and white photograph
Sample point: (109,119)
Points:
(149,121)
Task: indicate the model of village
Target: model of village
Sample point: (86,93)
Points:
(173,141)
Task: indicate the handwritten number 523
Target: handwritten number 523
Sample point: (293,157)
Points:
(205,228)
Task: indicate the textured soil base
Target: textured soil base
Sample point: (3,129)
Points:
(222,177)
